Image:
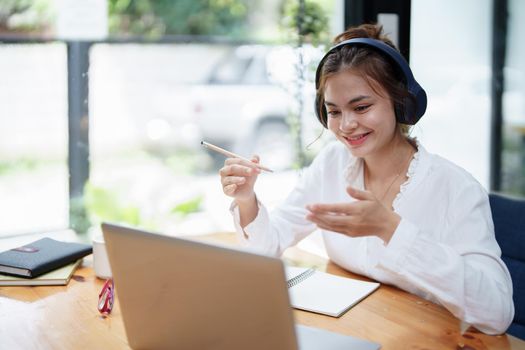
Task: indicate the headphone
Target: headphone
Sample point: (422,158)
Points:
(414,108)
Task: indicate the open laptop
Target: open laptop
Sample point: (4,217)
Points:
(180,294)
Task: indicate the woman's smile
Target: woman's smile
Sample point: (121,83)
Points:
(357,140)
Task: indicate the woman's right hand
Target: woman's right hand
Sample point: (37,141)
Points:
(238,178)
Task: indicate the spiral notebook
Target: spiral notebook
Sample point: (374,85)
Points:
(323,293)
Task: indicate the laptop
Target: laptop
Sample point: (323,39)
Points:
(180,294)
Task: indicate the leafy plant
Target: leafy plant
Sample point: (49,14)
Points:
(105,205)
(21,164)
(306,22)
(155,18)
(26,15)
(190,206)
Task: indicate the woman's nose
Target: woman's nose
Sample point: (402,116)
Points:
(348,123)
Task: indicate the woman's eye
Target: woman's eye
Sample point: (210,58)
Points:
(362,108)
(333,114)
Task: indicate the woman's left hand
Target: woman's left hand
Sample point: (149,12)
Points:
(364,217)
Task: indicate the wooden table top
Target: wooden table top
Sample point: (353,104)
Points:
(66,317)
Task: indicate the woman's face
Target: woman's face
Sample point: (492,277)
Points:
(359,117)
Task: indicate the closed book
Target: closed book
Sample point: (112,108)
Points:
(323,293)
(58,277)
(39,257)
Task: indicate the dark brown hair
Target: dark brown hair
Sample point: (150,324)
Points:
(375,68)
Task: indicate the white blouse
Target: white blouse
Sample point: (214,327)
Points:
(443,250)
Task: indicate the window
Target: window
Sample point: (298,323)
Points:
(454,68)
(33,138)
(513,152)
(150,103)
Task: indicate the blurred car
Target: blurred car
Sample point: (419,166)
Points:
(245,103)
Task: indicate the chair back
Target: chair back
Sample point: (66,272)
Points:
(509,225)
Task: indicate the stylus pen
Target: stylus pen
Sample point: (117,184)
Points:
(233,155)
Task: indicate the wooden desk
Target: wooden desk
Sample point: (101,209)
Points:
(67,317)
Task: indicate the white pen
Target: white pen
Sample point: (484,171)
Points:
(233,155)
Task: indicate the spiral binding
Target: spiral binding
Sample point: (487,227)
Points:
(299,278)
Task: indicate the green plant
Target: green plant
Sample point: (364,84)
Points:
(102,204)
(190,206)
(155,18)
(306,22)
(26,15)
(20,164)
(105,205)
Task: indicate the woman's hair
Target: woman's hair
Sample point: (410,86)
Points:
(375,67)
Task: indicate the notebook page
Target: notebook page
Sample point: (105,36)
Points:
(329,294)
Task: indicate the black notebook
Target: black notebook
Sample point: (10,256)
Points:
(41,256)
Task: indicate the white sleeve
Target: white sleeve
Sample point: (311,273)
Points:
(463,270)
(287,224)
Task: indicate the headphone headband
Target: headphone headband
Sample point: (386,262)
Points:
(413,110)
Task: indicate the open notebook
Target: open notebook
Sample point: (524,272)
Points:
(323,293)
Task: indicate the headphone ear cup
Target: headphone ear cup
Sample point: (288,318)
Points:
(406,112)
(414,107)
(421,104)
(320,111)
(400,113)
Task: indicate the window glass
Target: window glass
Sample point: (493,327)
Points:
(454,68)
(513,157)
(231,70)
(169,76)
(151,105)
(33,138)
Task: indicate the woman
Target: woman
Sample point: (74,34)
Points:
(386,207)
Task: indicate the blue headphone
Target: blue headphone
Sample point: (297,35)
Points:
(413,108)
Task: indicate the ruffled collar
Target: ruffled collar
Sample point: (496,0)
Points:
(411,171)
(354,173)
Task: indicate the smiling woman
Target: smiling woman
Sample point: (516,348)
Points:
(366,124)
(386,207)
